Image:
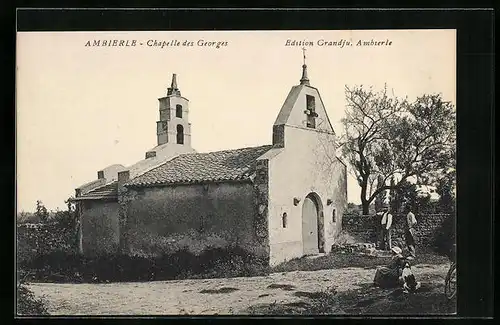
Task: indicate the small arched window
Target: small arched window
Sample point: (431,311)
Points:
(284,220)
(334,216)
(178,111)
(180,134)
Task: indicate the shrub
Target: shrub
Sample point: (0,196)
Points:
(62,266)
(44,239)
(28,304)
(445,237)
(231,262)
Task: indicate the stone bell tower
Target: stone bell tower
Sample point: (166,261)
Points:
(303,109)
(173,126)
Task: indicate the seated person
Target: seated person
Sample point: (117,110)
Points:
(410,284)
(390,276)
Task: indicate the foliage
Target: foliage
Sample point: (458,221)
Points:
(41,212)
(60,266)
(395,197)
(446,190)
(446,237)
(381,198)
(26,302)
(58,232)
(27,217)
(352,209)
(44,239)
(389,138)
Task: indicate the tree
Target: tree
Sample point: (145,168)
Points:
(445,188)
(26,217)
(41,212)
(407,196)
(381,198)
(70,204)
(352,209)
(397,194)
(67,219)
(389,138)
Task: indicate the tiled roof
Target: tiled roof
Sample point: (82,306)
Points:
(227,165)
(107,191)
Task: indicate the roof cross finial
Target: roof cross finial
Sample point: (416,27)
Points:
(173,90)
(304,80)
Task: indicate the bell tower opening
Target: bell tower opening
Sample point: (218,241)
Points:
(303,108)
(311,111)
(180,134)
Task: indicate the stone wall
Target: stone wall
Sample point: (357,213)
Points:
(428,227)
(261,205)
(163,220)
(100,227)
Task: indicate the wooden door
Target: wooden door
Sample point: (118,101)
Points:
(310,226)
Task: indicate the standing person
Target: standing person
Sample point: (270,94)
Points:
(386,224)
(410,232)
(378,229)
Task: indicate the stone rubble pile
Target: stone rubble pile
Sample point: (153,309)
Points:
(359,248)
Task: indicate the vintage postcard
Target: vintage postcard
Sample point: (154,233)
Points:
(236,172)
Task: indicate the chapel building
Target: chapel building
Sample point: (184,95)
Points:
(277,201)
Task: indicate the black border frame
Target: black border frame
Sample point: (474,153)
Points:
(475,100)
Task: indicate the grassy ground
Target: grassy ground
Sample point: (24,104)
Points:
(333,285)
(334,261)
(367,300)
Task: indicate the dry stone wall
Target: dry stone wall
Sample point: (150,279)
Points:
(364,228)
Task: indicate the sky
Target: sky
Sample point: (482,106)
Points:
(82,108)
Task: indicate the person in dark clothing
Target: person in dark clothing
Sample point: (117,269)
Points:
(390,276)
(379,233)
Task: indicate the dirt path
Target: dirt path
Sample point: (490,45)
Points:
(210,296)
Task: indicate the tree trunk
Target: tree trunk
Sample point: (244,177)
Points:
(364,203)
(366,207)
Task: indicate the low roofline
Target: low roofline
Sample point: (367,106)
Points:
(187,183)
(174,96)
(89,183)
(94,198)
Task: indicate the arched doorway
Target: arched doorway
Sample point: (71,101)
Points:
(313,236)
